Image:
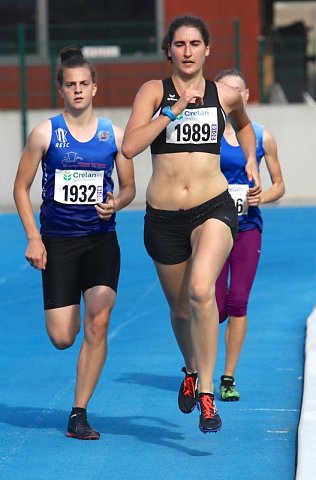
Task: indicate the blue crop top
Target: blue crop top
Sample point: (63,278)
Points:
(233,164)
(76,176)
(196,129)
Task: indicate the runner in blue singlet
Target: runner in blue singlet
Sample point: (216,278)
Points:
(241,265)
(76,248)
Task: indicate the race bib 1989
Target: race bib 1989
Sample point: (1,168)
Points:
(78,187)
(194,126)
(239,195)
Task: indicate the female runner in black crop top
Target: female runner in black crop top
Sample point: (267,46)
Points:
(190,219)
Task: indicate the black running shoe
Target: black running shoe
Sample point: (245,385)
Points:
(78,427)
(187,397)
(210,421)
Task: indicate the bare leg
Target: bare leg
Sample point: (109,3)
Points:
(99,302)
(234,337)
(63,325)
(174,281)
(212,242)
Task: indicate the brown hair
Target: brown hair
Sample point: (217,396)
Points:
(184,21)
(72,57)
(230,72)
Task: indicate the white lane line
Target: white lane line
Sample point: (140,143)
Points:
(138,307)
(278,431)
(269,409)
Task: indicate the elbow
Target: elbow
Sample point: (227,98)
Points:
(281,189)
(127,151)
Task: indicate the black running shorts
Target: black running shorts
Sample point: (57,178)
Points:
(167,233)
(78,263)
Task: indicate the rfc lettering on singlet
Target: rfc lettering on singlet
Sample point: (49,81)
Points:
(197,126)
(78,187)
(239,195)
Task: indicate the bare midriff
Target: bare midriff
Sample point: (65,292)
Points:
(184,180)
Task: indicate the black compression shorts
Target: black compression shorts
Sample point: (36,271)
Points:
(78,263)
(167,233)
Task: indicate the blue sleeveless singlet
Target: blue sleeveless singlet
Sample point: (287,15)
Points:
(76,176)
(233,163)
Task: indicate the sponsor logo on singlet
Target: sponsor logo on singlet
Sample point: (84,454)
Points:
(103,135)
(70,158)
(61,135)
(69,175)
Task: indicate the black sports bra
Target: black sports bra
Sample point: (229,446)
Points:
(196,129)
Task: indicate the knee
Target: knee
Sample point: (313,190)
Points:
(61,342)
(201,294)
(63,326)
(96,328)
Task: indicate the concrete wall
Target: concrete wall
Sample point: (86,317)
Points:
(292,125)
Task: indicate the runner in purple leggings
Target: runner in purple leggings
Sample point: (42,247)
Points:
(235,281)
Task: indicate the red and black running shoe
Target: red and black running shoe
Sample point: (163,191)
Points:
(78,427)
(187,397)
(210,421)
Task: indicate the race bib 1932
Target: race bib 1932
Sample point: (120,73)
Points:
(78,187)
(239,195)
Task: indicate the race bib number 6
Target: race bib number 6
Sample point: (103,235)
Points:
(78,187)
(239,195)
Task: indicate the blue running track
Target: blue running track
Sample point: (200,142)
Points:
(144,435)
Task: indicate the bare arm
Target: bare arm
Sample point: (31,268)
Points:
(141,130)
(125,173)
(35,148)
(277,188)
(247,140)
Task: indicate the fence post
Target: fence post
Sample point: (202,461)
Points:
(22,53)
(237,42)
(262,45)
(53,70)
